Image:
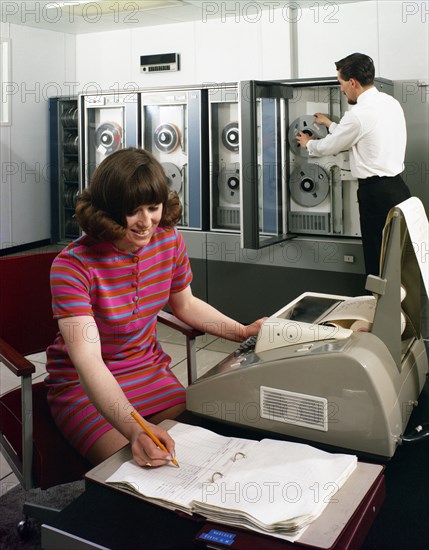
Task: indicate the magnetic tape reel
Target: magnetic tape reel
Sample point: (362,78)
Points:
(174,176)
(306,125)
(167,137)
(108,137)
(231,137)
(229,183)
(309,184)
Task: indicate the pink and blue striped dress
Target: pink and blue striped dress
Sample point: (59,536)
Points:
(124,293)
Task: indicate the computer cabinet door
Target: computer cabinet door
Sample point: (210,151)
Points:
(262,162)
(109,122)
(174,130)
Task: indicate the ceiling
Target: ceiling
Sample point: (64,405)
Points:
(87,16)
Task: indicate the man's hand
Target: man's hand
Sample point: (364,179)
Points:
(320,118)
(303,139)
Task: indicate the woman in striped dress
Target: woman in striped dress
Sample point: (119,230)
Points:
(107,289)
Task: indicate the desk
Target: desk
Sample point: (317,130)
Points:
(111,519)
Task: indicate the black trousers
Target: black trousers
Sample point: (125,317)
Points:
(376,196)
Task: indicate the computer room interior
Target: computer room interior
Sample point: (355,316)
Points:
(48,55)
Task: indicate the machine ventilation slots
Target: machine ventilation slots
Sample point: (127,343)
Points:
(294,408)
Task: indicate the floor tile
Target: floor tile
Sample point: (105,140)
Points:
(8,483)
(39,357)
(167,334)
(205,361)
(5,469)
(8,381)
(175,351)
(222,345)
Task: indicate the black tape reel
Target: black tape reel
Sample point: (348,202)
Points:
(231,137)
(167,137)
(309,184)
(174,176)
(108,137)
(229,183)
(306,125)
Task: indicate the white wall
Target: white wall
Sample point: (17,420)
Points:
(395,34)
(43,64)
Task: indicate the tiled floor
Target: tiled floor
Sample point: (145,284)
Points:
(210,351)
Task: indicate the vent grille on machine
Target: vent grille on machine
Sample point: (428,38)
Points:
(294,408)
(308,222)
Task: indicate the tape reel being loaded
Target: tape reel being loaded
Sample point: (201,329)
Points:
(309,184)
(231,137)
(167,137)
(108,137)
(174,176)
(229,184)
(306,125)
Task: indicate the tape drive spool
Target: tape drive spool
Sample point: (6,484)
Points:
(229,183)
(231,137)
(309,184)
(167,137)
(174,176)
(306,125)
(108,137)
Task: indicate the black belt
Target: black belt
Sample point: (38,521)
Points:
(377,179)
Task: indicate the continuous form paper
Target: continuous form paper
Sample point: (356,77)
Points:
(418,228)
(274,487)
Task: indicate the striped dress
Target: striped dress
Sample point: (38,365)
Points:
(124,293)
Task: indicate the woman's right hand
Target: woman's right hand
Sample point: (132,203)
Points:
(146,453)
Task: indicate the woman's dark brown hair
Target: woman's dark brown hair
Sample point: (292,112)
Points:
(124,181)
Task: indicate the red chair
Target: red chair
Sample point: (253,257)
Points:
(33,446)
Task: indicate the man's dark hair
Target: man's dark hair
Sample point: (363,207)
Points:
(358,66)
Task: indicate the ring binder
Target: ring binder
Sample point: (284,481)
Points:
(237,456)
(216,475)
(234,495)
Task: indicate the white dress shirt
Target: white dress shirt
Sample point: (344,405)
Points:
(375,132)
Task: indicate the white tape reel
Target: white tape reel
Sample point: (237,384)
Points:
(174,176)
(167,137)
(309,184)
(108,137)
(306,125)
(229,183)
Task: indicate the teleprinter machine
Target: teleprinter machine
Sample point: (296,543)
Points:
(339,371)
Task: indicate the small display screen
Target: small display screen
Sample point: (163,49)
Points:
(310,308)
(157,59)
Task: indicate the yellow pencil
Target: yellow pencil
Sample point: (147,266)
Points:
(157,442)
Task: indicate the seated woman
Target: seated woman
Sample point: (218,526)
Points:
(107,289)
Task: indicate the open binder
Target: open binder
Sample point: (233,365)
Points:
(268,486)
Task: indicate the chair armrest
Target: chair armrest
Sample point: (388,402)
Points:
(175,323)
(14,361)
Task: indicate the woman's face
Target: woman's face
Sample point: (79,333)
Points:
(141,225)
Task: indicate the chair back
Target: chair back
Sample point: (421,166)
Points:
(26,321)
(27,325)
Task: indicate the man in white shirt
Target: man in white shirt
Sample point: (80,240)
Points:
(374,130)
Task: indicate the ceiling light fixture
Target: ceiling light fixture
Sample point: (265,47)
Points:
(106,5)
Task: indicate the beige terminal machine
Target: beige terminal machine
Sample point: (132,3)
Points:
(313,374)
